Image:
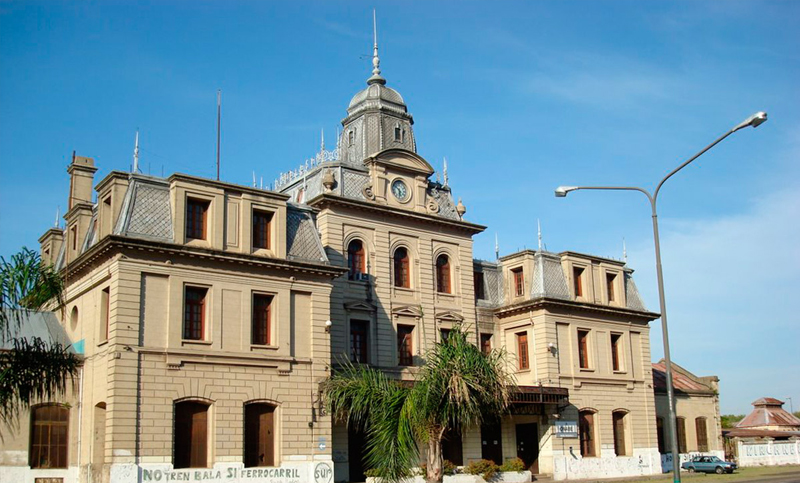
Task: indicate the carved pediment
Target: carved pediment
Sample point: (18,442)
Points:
(450,316)
(407,310)
(401,159)
(359,306)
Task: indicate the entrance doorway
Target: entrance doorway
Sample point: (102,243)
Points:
(452,446)
(528,445)
(355,455)
(492,443)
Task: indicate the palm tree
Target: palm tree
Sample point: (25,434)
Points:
(458,387)
(30,368)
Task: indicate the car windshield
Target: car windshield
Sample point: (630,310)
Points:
(714,459)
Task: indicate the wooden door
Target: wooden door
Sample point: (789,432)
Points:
(492,442)
(528,445)
(355,453)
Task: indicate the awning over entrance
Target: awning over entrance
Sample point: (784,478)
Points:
(532,399)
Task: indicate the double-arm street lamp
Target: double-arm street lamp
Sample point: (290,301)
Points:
(755,120)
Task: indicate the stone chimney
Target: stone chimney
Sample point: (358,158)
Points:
(51,243)
(79,215)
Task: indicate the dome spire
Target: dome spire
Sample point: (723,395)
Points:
(376,61)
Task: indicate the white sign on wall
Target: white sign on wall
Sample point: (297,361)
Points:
(566,429)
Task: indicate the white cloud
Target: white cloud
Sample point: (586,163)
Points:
(730,287)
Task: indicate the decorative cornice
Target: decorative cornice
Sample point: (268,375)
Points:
(542,302)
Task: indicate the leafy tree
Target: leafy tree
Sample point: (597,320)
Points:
(31,369)
(730,420)
(458,387)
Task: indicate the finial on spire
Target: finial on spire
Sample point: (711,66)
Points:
(496,247)
(444,172)
(136,153)
(376,61)
(58,217)
(322,140)
(624,251)
(539,232)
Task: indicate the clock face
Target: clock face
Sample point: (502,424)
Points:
(399,190)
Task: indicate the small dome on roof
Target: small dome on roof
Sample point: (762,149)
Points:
(378,92)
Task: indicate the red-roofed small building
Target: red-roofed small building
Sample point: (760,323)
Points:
(768,413)
(697,411)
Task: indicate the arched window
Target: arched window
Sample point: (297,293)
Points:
(586,428)
(680,424)
(73,318)
(191,435)
(49,436)
(401,263)
(443,274)
(618,422)
(355,259)
(259,435)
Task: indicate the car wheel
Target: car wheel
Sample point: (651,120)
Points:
(719,470)
(690,469)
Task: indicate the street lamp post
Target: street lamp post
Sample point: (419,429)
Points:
(755,120)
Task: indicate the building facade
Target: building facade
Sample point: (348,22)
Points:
(209,313)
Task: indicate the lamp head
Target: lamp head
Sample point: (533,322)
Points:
(562,191)
(755,120)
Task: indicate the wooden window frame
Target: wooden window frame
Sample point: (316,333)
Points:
(616,352)
(586,433)
(259,435)
(356,259)
(405,345)
(519,281)
(402,268)
(261,320)
(49,437)
(611,280)
(618,426)
(195,437)
(577,281)
(701,430)
(660,435)
(583,349)
(486,343)
(359,341)
(105,315)
(197,218)
(443,277)
(523,353)
(477,281)
(680,430)
(194,312)
(262,229)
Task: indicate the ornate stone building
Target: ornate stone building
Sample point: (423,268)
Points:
(209,312)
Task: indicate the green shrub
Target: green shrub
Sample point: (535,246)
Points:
(448,468)
(513,464)
(485,468)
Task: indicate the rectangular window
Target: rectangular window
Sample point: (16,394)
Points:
(616,351)
(194,313)
(259,435)
(49,431)
(702,435)
(262,319)
(577,280)
(73,235)
(618,420)
(583,349)
(444,333)
(196,219)
(522,351)
(105,307)
(681,426)
(359,332)
(108,218)
(660,434)
(405,345)
(519,282)
(610,279)
(477,278)
(486,343)
(261,229)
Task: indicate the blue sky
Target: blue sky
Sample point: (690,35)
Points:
(519,96)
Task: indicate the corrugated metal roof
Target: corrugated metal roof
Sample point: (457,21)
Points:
(28,324)
(769,412)
(680,381)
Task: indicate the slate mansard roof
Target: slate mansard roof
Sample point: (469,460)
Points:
(146,214)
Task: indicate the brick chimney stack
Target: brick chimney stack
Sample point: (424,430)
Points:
(79,214)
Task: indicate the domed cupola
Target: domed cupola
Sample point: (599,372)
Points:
(377,118)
